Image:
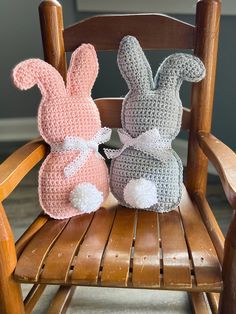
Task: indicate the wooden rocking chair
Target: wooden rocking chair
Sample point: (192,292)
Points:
(180,250)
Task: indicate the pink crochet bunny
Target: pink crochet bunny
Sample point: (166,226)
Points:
(74,178)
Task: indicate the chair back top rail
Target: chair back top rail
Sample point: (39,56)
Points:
(154,31)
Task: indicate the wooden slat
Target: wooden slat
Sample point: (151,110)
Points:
(117,255)
(62,299)
(176,267)
(58,261)
(154,31)
(33,296)
(29,265)
(207,268)
(213,228)
(213,299)
(199,303)
(146,262)
(89,258)
(30,232)
(110,113)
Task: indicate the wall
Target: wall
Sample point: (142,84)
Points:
(20,39)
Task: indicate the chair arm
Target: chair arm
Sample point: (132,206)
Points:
(18,164)
(224,161)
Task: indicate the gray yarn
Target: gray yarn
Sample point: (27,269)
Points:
(152,103)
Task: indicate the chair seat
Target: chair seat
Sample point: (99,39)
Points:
(122,247)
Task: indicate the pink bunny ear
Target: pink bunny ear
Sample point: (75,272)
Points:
(35,71)
(83,70)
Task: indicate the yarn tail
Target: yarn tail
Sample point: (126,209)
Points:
(86,198)
(140,193)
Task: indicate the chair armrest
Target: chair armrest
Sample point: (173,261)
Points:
(18,164)
(224,161)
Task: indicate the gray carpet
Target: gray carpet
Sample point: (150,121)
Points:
(22,207)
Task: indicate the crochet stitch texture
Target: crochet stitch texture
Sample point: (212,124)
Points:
(138,178)
(67,111)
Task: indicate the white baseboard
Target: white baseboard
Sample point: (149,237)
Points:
(18,129)
(23,129)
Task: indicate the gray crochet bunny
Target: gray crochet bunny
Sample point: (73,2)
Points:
(146,172)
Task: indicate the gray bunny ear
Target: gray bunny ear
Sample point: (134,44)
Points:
(180,67)
(133,64)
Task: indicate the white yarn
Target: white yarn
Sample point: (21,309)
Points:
(140,193)
(86,197)
(85,147)
(149,142)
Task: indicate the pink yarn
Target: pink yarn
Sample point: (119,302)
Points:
(65,111)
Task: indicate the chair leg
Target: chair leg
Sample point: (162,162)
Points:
(11,301)
(228,296)
(198,302)
(61,300)
(213,300)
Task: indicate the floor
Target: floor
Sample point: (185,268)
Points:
(22,207)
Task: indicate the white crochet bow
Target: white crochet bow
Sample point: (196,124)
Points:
(85,148)
(150,142)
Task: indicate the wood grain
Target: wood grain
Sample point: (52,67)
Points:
(59,259)
(228,296)
(124,251)
(37,250)
(199,302)
(117,255)
(213,300)
(51,22)
(207,268)
(61,300)
(30,232)
(106,31)
(224,160)
(146,260)
(18,164)
(206,47)
(213,228)
(11,301)
(176,267)
(33,297)
(88,261)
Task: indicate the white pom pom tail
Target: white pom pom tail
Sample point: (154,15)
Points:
(140,193)
(86,197)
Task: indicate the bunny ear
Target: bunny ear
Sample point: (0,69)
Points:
(83,70)
(133,64)
(180,66)
(194,70)
(35,71)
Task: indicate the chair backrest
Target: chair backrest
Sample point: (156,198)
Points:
(154,31)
